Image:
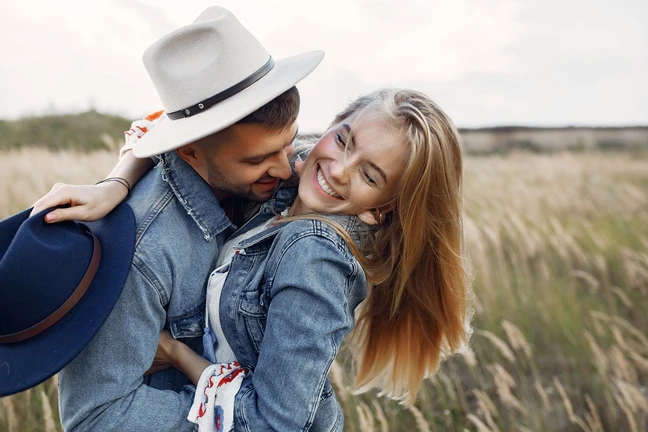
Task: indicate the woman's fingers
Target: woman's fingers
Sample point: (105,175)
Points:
(86,203)
(79,213)
(58,196)
(82,202)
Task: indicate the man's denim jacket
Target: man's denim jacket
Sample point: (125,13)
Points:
(303,268)
(287,303)
(180,230)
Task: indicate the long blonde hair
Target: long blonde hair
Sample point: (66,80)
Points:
(415,312)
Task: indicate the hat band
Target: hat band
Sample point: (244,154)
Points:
(66,307)
(225,94)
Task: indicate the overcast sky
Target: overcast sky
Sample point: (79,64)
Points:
(486,62)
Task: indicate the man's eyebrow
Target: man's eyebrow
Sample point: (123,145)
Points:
(265,155)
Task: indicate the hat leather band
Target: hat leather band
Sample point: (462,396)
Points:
(66,307)
(211,101)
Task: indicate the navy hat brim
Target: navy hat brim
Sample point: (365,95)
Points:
(27,363)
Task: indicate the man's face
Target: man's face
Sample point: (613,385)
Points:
(246,160)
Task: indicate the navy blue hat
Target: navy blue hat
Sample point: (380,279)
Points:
(58,284)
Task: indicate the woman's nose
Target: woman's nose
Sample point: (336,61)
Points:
(338,171)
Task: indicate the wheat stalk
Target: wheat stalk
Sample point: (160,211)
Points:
(544,397)
(488,408)
(568,406)
(592,418)
(481,427)
(632,423)
(516,338)
(380,413)
(365,418)
(48,415)
(12,418)
(504,383)
(501,346)
(421,423)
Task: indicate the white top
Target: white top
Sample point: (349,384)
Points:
(224,353)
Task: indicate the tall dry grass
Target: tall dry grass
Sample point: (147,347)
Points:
(559,251)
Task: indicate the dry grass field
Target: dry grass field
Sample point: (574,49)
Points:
(558,246)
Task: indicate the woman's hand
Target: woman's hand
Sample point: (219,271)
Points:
(172,352)
(87,203)
(164,356)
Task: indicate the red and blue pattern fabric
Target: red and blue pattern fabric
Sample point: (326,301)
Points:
(213,406)
(138,129)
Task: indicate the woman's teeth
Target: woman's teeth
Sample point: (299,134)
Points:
(324,185)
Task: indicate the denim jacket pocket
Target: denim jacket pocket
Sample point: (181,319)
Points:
(254,316)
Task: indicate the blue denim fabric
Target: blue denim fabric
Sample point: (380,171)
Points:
(287,303)
(180,230)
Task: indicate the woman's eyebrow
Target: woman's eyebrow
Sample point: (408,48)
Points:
(347,128)
(380,171)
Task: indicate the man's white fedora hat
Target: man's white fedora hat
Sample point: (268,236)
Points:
(211,74)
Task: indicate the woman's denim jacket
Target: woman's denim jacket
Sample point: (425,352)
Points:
(287,303)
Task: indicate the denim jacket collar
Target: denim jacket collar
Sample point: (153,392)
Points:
(195,195)
(280,201)
(260,242)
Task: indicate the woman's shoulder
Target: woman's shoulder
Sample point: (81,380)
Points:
(333,228)
(315,250)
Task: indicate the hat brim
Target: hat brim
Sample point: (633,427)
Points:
(28,363)
(171,134)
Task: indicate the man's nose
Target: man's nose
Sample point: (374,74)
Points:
(280,167)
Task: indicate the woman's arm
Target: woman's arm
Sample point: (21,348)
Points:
(174,353)
(315,290)
(92,202)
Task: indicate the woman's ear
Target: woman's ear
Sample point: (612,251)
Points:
(368,218)
(375,216)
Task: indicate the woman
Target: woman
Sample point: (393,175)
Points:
(377,220)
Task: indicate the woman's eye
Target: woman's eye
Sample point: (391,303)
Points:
(369,179)
(339,139)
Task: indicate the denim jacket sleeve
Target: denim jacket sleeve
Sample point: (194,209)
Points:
(102,389)
(308,315)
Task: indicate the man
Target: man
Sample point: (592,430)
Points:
(231,120)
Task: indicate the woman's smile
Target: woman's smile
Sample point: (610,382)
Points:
(324,185)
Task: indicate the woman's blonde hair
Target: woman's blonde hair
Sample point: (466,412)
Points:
(415,312)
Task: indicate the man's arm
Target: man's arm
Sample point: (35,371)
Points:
(102,388)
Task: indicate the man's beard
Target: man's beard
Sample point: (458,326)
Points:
(221,183)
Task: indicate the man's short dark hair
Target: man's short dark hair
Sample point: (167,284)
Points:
(279,113)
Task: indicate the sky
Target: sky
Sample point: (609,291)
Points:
(486,62)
